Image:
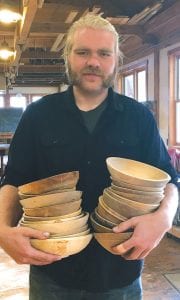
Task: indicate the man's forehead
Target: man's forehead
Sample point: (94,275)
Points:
(85,36)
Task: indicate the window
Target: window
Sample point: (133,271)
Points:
(129,85)
(18,101)
(134,82)
(1,101)
(174,75)
(141,86)
(35,98)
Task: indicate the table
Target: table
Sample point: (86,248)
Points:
(3,151)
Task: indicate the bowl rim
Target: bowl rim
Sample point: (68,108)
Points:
(128,177)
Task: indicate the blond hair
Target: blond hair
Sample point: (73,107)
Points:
(92,21)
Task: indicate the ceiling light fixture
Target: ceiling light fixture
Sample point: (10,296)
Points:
(7,16)
(5,51)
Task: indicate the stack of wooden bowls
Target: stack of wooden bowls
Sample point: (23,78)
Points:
(136,189)
(54,205)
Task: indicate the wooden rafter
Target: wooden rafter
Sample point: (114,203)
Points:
(22,32)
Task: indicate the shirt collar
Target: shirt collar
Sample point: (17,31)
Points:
(113,98)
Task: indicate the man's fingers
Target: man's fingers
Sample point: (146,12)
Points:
(123,248)
(124,226)
(133,254)
(37,257)
(36,234)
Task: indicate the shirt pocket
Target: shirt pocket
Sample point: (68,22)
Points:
(61,152)
(124,145)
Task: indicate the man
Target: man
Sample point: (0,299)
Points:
(77,130)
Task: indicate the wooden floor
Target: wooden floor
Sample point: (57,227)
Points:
(161,275)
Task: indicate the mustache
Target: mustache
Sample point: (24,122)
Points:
(92,70)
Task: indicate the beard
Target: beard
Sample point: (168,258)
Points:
(75,78)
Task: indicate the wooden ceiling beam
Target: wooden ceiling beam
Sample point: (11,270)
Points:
(165,17)
(40,3)
(49,27)
(40,42)
(40,54)
(41,68)
(137,30)
(130,29)
(23,30)
(29,12)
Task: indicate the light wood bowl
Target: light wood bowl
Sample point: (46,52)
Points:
(109,240)
(97,226)
(25,196)
(51,199)
(61,227)
(63,246)
(108,213)
(137,191)
(101,220)
(59,219)
(127,207)
(57,236)
(136,172)
(54,210)
(53,183)
(136,187)
(142,198)
(74,215)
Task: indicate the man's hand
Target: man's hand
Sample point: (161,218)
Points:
(16,242)
(148,231)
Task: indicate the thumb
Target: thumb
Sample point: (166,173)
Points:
(124,226)
(36,234)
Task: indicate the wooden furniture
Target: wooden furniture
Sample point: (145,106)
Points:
(6,137)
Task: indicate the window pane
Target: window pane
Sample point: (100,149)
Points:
(18,101)
(178,122)
(141,83)
(129,86)
(1,101)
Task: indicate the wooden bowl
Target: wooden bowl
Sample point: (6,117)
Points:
(60,181)
(136,187)
(108,213)
(51,199)
(74,215)
(101,220)
(61,227)
(142,198)
(137,191)
(109,240)
(127,207)
(63,246)
(97,226)
(54,210)
(57,236)
(136,172)
(25,196)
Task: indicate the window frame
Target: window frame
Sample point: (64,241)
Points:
(134,69)
(174,74)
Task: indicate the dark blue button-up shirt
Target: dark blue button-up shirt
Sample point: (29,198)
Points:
(52,138)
